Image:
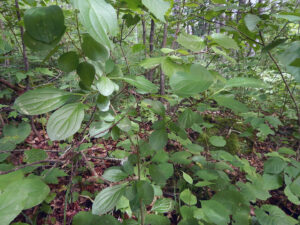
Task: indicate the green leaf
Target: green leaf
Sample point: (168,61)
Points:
(274,44)
(159,8)
(187,118)
(157,220)
(99,18)
(9,178)
(65,122)
(68,62)
(107,199)
(215,212)
(191,42)
(191,221)
(187,84)
(93,49)
(38,45)
(291,196)
(99,129)
(141,83)
(219,1)
(103,103)
(224,41)
(223,53)
(169,67)
(13,201)
(144,191)
(289,17)
(163,205)
(272,182)
(150,63)
(255,190)
(217,141)
(88,218)
(251,21)
(35,155)
(187,178)
(203,183)
(105,86)
(114,174)
(194,148)
(124,125)
(156,106)
(158,139)
(161,173)
(86,72)
(245,82)
(16,134)
(188,198)
(295,186)
(36,191)
(45,24)
(231,103)
(274,121)
(264,130)
(289,55)
(181,157)
(42,100)
(51,175)
(272,215)
(287,151)
(207,174)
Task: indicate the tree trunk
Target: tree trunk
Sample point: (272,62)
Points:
(162,75)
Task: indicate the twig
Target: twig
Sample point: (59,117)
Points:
(27,165)
(233,27)
(35,130)
(9,85)
(283,79)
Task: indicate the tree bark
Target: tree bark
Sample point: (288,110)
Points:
(144,34)
(162,75)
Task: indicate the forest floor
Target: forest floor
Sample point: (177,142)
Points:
(83,180)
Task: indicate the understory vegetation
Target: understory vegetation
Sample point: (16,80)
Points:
(149,112)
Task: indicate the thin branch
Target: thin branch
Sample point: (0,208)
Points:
(27,165)
(233,27)
(9,85)
(287,86)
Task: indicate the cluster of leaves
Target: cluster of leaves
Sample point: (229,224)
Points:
(204,191)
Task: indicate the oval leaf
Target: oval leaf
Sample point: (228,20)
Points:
(187,84)
(65,122)
(41,101)
(107,199)
(99,18)
(94,50)
(45,24)
(86,72)
(68,62)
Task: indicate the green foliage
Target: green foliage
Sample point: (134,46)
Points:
(68,62)
(39,101)
(65,122)
(107,199)
(165,112)
(13,201)
(191,83)
(14,135)
(98,18)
